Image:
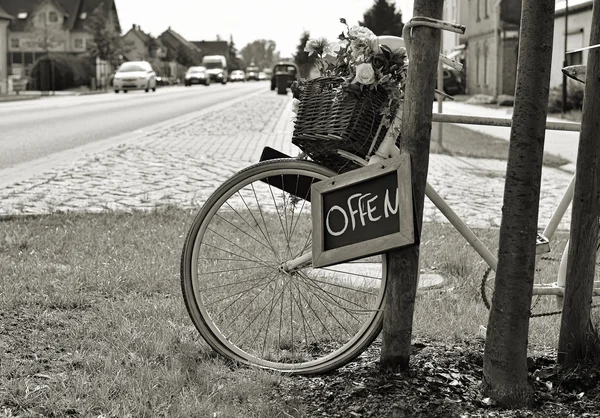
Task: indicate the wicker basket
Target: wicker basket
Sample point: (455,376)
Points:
(329,120)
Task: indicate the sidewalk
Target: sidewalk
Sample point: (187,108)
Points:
(183,162)
(560,143)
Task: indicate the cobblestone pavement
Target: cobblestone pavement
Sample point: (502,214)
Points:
(183,163)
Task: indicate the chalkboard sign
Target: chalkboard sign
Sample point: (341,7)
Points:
(364,212)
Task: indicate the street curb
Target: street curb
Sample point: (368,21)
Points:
(20,172)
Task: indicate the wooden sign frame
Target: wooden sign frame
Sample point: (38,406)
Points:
(405,235)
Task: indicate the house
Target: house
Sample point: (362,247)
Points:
(5,20)
(140,45)
(578,26)
(39,27)
(492,45)
(453,44)
(180,53)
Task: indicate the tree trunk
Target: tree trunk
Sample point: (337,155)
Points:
(505,359)
(403,264)
(578,341)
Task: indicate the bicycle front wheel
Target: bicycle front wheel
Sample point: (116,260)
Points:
(243,299)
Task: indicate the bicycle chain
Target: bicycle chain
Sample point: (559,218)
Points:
(531,314)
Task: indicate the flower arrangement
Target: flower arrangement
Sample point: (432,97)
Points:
(363,63)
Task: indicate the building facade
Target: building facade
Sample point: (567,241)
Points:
(180,53)
(578,25)
(492,40)
(5,20)
(39,27)
(139,45)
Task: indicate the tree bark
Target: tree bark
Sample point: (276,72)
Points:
(403,264)
(505,359)
(578,341)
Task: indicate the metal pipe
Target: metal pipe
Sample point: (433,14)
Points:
(503,122)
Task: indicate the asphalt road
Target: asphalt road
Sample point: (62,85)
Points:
(33,129)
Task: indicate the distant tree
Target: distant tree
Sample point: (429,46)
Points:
(107,43)
(152,47)
(383,19)
(234,63)
(185,57)
(261,52)
(304,61)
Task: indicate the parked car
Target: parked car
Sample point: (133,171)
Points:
(197,75)
(162,81)
(134,75)
(453,83)
(262,76)
(284,70)
(252,73)
(237,75)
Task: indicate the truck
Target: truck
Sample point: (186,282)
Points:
(216,66)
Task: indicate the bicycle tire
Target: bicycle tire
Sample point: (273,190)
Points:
(347,312)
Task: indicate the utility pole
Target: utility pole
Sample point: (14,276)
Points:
(564,77)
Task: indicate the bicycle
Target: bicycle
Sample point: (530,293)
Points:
(249,285)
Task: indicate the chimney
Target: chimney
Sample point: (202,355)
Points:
(133,26)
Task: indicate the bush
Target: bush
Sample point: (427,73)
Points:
(69,71)
(574,97)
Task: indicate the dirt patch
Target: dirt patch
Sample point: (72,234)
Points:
(444,381)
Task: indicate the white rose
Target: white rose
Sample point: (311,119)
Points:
(364,74)
(295,105)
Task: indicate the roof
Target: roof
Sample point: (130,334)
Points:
(170,35)
(4,15)
(73,10)
(137,31)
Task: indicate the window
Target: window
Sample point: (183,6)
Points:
(486,51)
(28,58)
(16,58)
(79,43)
(52,17)
(485,5)
(14,42)
(478,7)
(575,58)
(575,40)
(477,59)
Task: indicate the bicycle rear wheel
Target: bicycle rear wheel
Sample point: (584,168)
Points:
(242,300)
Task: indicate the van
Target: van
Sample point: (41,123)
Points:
(216,66)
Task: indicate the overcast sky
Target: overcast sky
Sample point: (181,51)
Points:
(282,21)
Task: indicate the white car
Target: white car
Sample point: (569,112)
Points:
(135,75)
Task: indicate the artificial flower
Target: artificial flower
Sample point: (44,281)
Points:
(358,58)
(365,74)
(320,46)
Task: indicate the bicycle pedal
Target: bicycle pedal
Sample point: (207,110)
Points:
(542,245)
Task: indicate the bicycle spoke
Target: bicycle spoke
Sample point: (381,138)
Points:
(236,245)
(264,234)
(241,294)
(262,216)
(244,232)
(241,301)
(255,317)
(332,297)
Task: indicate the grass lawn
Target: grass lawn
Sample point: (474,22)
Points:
(92,324)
